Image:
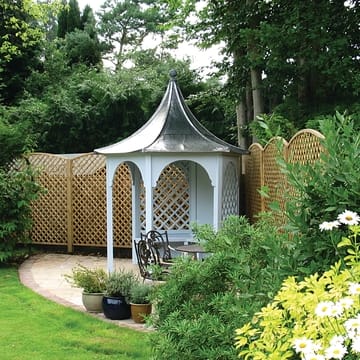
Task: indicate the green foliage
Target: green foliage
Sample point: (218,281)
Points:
(125,24)
(90,280)
(324,188)
(68,18)
(14,142)
(140,293)
(206,300)
(269,126)
(18,189)
(20,39)
(313,318)
(81,48)
(119,283)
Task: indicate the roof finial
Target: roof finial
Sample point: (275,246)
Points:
(173,74)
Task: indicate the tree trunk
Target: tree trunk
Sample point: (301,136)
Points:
(241,124)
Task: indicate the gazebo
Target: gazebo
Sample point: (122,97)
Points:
(181,173)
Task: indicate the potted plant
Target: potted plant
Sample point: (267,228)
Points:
(116,299)
(140,301)
(92,281)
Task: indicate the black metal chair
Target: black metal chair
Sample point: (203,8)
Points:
(161,241)
(148,259)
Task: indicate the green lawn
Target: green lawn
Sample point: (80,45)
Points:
(32,327)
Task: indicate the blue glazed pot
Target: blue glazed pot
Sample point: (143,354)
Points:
(116,308)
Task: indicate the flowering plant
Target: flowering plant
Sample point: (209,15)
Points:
(314,319)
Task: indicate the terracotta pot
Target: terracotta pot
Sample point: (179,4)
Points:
(138,311)
(92,301)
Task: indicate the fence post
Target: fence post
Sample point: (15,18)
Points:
(69,200)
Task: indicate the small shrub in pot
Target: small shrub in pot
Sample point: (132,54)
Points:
(117,294)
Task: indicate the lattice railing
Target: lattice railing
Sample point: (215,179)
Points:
(262,169)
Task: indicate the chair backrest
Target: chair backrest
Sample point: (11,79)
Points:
(147,255)
(160,240)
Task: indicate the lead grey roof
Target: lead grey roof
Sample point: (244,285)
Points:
(172,128)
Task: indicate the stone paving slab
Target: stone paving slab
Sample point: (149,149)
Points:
(44,274)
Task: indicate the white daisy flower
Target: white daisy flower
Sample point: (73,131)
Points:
(337,339)
(329,225)
(324,308)
(355,346)
(352,327)
(346,302)
(336,351)
(313,356)
(354,288)
(349,218)
(304,346)
(336,310)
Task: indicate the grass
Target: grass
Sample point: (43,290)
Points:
(32,327)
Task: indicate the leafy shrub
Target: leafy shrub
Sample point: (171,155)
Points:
(317,318)
(324,188)
(119,283)
(140,293)
(268,126)
(202,302)
(18,189)
(90,280)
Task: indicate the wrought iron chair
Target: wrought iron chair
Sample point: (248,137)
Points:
(161,241)
(146,256)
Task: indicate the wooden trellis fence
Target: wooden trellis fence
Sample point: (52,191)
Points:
(72,210)
(262,169)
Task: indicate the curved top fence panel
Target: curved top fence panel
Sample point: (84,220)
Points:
(262,170)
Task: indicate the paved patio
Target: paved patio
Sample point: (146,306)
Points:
(44,274)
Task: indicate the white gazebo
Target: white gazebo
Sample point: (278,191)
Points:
(181,173)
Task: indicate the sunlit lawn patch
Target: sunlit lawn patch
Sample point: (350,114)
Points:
(32,327)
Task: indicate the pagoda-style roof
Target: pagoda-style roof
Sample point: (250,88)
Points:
(172,128)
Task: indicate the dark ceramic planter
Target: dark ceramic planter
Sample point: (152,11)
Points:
(116,308)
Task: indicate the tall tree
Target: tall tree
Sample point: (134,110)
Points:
(69,18)
(281,55)
(20,45)
(124,24)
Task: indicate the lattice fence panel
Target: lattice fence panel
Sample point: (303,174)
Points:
(89,200)
(172,199)
(253,180)
(122,207)
(274,179)
(305,147)
(49,211)
(230,195)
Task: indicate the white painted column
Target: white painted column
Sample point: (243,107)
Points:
(135,209)
(218,193)
(148,193)
(110,170)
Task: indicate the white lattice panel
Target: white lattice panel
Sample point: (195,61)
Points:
(230,194)
(171,203)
